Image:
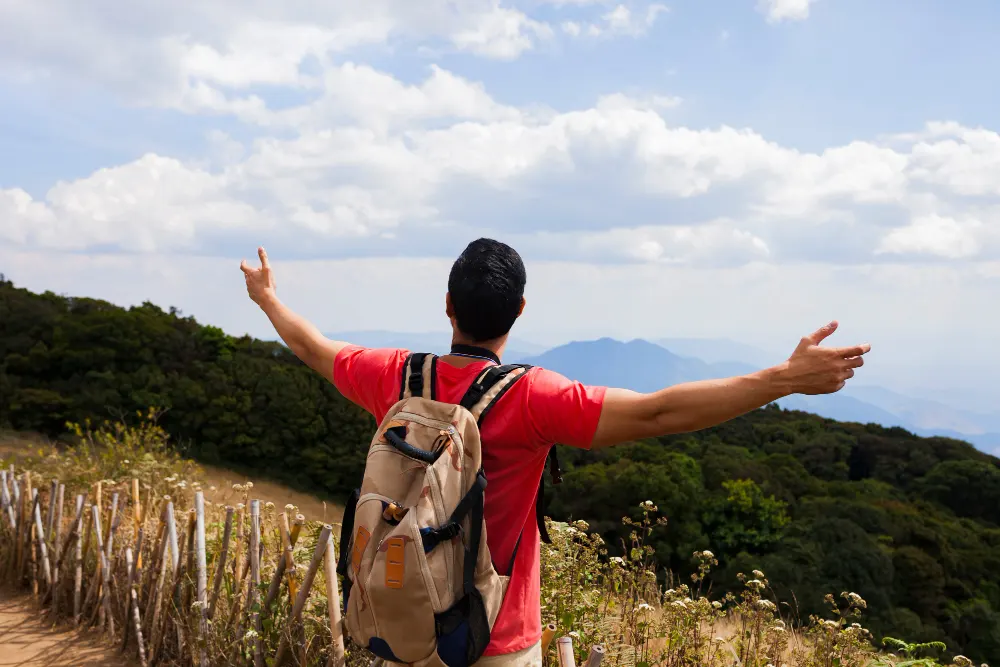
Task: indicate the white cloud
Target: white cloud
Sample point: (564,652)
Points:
(624,21)
(784,10)
(934,235)
(370,156)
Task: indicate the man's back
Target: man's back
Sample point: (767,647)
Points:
(538,411)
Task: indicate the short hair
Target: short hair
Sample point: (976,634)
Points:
(486,285)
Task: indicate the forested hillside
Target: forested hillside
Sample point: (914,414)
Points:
(912,524)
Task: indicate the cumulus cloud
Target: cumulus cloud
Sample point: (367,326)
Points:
(370,157)
(784,10)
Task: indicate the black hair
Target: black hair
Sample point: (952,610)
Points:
(486,284)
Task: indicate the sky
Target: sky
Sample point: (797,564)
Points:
(747,169)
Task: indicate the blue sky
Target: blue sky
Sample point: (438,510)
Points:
(739,168)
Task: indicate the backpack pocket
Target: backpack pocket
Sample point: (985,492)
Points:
(402,591)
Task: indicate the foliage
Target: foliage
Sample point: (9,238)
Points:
(911,524)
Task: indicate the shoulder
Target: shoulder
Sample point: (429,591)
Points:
(356,360)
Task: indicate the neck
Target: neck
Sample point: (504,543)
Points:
(496,346)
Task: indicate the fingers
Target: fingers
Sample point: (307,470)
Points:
(816,337)
(263,258)
(848,374)
(854,362)
(245,268)
(853,351)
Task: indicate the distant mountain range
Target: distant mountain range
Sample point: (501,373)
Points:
(643,366)
(646,366)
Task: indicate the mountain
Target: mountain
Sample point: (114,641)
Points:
(644,366)
(716,350)
(638,364)
(432,341)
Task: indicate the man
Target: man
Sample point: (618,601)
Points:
(485,297)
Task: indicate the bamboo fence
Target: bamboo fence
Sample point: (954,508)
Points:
(166,581)
(222,588)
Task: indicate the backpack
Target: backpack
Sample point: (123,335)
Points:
(420,587)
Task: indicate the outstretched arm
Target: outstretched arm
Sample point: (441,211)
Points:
(628,415)
(302,338)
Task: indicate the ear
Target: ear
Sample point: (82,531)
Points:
(449,309)
(520,311)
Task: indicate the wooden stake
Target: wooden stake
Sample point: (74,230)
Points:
(134,576)
(282,562)
(202,566)
(78,577)
(564,646)
(34,536)
(156,595)
(258,656)
(288,549)
(43,554)
(7,503)
(220,561)
(133,598)
(547,634)
(300,600)
(57,538)
(53,491)
(158,553)
(333,606)
(595,657)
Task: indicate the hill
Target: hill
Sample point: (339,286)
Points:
(912,524)
(644,366)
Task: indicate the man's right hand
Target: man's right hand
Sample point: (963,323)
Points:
(813,369)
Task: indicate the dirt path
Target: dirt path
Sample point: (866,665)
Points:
(28,641)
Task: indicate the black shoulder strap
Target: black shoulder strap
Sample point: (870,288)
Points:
(419,376)
(489,386)
(556,473)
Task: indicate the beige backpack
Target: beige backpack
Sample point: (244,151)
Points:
(420,585)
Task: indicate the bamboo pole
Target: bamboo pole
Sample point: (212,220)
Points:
(43,555)
(106,556)
(220,561)
(57,539)
(564,647)
(78,577)
(202,566)
(300,600)
(158,553)
(282,562)
(547,634)
(333,606)
(23,496)
(94,589)
(238,563)
(258,656)
(134,570)
(595,657)
(156,595)
(33,536)
(133,602)
(288,551)
(53,491)
(103,592)
(8,504)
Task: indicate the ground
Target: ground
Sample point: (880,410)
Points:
(27,640)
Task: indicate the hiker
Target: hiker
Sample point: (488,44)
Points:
(530,415)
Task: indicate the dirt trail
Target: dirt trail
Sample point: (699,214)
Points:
(26,640)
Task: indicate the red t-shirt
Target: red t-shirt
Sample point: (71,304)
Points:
(541,409)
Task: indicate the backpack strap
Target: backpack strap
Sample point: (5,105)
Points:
(489,386)
(419,376)
(556,473)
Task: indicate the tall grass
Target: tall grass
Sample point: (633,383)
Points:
(594,597)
